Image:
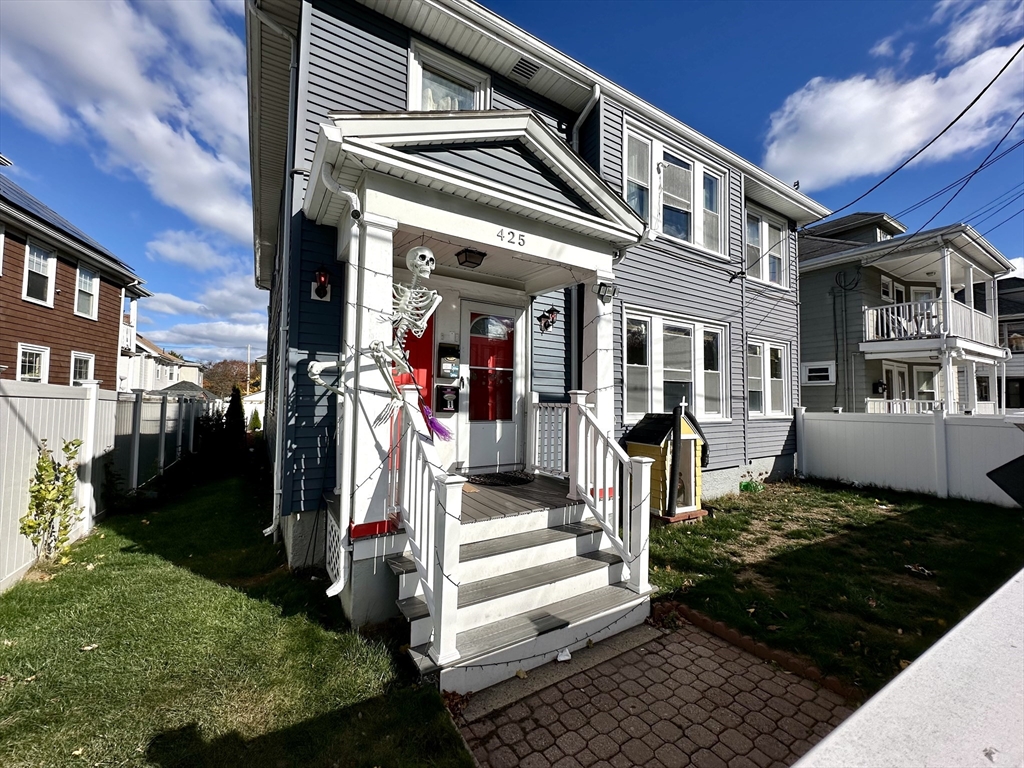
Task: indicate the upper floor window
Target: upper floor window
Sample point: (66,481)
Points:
(33,363)
(766,249)
(441,83)
(85,294)
(1012,335)
(40,265)
(82,364)
(1,249)
(678,195)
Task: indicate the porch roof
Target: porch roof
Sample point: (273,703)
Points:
(355,143)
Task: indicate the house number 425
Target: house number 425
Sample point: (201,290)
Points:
(511,237)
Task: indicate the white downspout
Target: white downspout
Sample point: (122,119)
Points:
(595,96)
(283,355)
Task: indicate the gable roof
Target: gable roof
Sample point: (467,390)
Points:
(811,247)
(19,204)
(855,221)
(187,388)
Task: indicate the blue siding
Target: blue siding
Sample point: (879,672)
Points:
(551,350)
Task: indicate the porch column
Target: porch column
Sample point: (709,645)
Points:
(992,306)
(969,297)
(948,380)
(598,369)
(971,380)
(947,297)
(370,426)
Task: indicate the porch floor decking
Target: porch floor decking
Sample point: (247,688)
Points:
(481,502)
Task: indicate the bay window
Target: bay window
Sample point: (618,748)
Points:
(663,362)
(663,185)
(766,249)
(767,380)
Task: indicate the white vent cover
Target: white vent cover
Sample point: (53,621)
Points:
(524,70)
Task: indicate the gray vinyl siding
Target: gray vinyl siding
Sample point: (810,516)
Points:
(507,95)
(590,138)
(551,350)
(817,339)
(610,164)
(315,334)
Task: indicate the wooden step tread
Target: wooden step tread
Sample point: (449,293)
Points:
(519,541)
(480,641)
(400,563)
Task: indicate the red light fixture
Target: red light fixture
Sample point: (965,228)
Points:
(323,281)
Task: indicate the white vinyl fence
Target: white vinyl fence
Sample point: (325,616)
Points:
(948,456)
(138,435)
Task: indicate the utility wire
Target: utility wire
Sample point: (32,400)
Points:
(979,211)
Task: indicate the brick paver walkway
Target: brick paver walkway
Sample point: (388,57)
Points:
(684,699)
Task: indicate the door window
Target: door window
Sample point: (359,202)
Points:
(491,373)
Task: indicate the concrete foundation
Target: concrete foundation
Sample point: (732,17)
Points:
(305,536)
(719,482)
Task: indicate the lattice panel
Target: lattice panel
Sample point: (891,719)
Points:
(333,549)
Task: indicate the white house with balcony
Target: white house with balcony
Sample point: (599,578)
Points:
(144,365)
(896,323)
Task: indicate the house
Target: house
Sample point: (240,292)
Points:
(898,323)
(255,402)
(62,296)
(1010,388)
(594,259)
(144,365)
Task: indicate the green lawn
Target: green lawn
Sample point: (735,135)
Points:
(821,571)
(177,637)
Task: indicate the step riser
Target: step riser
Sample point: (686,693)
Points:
(409,585)
(420,630)
(485,671)
(507,562)
(485,612)
(531,521)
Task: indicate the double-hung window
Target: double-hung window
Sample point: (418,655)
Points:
(40,265)
(85,293)
(441,83)
(766,379)
(666,365)
(82,365)
(1,250)
(33,363)
(677,193)
(766,249)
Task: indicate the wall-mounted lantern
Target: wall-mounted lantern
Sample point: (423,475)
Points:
(321,287)
(547,319)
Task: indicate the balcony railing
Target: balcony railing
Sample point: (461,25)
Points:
(957,407)
(925,319)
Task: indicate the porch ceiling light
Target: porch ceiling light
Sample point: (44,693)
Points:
(606,292)
(930,273)
(470,257)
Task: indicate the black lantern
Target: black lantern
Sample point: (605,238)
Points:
(470,257)
(546,319)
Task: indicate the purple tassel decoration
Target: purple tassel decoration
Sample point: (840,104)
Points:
(437,429)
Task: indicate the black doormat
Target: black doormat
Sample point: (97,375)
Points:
(498,479)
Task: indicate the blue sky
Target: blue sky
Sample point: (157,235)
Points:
(130,119)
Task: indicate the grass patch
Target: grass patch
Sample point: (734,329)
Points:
(203,651)
(820,570)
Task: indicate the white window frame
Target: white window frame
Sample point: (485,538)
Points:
(92,367)
(936,372)
(886,291)
(766,412)
(763,273)
(51,264)
(699,166)
(805,368)
(656,364)
(2,232)
(424,57)
(95,293)
(44,367)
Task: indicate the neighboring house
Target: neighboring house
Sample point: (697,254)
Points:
(583,241)
(255,402)
(149,367)
(62,296)
(896,323)
(190,389)
(1011,336)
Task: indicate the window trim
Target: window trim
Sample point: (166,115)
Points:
(936,372)
(656,365)
(700,165)
(44,368)
(805,368)
(2,242)
(766,346)
(51,263)
(422,56)
(95,295)
(92,367)
(767,218)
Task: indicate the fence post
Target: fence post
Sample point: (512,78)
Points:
(133,473)
(160,448)
(87,454)
(577,400)
(640,522)
(447,532)
(191,424)
(181,420)
(532,415)
(801,462)
(941,465)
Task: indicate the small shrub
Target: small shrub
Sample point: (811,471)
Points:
(51,507)
(255,425)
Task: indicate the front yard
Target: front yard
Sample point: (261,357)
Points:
(822,571)
(177,637)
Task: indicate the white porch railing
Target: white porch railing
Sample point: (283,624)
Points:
(546,438)
(924,319)
(429,504)
(981,408)
(876,405)
(614,486)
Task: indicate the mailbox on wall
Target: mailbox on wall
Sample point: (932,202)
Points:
(447,361)
(446,399)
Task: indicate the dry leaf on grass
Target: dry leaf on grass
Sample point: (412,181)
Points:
(92,647)
(521,674)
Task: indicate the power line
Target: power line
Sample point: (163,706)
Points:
(1008,203)
(906,162)
(979,211)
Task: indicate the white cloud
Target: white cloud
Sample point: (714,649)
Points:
(831,131)
(232,296)
(975,26)
(191,249)
(169,304)
(213,341)
(1018,267)
(157,89)
(884,46)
